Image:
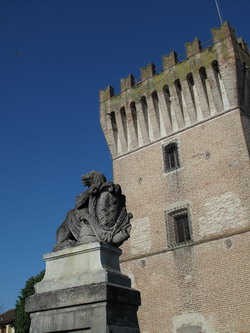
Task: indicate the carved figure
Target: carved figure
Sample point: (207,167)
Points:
(100,214)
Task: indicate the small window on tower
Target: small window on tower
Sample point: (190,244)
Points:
(182,232)
(178,227)
(171,158)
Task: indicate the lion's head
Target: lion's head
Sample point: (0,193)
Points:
(93,178)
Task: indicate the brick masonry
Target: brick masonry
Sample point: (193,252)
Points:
(203,105)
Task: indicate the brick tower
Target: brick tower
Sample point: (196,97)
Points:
(180,143)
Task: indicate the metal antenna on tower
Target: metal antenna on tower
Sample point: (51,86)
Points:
(218,9)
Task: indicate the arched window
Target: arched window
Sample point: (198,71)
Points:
(166,93)
(155,100)
(203,76)
(203,73)
(190,81)
(134,118)
(145,111)
(114,126)
(217,75)
(215,66)
(167,97)
(179,93)
(124,123)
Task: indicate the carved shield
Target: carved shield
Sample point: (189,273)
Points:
(108,209)
(108,214)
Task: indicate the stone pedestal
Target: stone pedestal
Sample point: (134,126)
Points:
(83,290)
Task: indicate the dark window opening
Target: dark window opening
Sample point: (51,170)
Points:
(134,118)
(156,107)
(124,123)
(114,126)
(178,227)
(167,97)
(171,157)
(215,66)
(217,75)
(203,76)
(179,94)
(191,86)
(182,232)
(144,106)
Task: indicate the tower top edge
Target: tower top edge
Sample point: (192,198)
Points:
(169,61)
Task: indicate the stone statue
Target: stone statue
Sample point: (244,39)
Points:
(99,215)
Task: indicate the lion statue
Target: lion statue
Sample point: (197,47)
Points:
(99,215)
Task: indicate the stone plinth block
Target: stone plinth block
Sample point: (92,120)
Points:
(82,265)
(83,290)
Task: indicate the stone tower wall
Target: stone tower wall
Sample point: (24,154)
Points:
(207,83)
(202,105)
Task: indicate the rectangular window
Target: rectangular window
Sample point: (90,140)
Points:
(171,158)
(182,232)
(178,227)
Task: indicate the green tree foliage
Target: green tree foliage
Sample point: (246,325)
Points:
(22,321)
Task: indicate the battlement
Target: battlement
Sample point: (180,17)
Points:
(182,94)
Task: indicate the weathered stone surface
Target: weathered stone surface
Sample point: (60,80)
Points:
(99,215)
(202,284)
(219,86)
(95,318)
(84,290)
(92,293)
(82,265)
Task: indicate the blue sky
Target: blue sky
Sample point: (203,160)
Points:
(55,56)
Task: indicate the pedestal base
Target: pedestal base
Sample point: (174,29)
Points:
(102,307)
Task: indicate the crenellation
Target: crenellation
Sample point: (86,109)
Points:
(224,31)
(127,83)
(226,70)
(169,60)
(193,48)
(186,163)
(147,72)
(242,55)
(199,87)
(243,44)
(106,94)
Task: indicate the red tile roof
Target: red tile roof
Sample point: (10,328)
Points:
(7,317)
